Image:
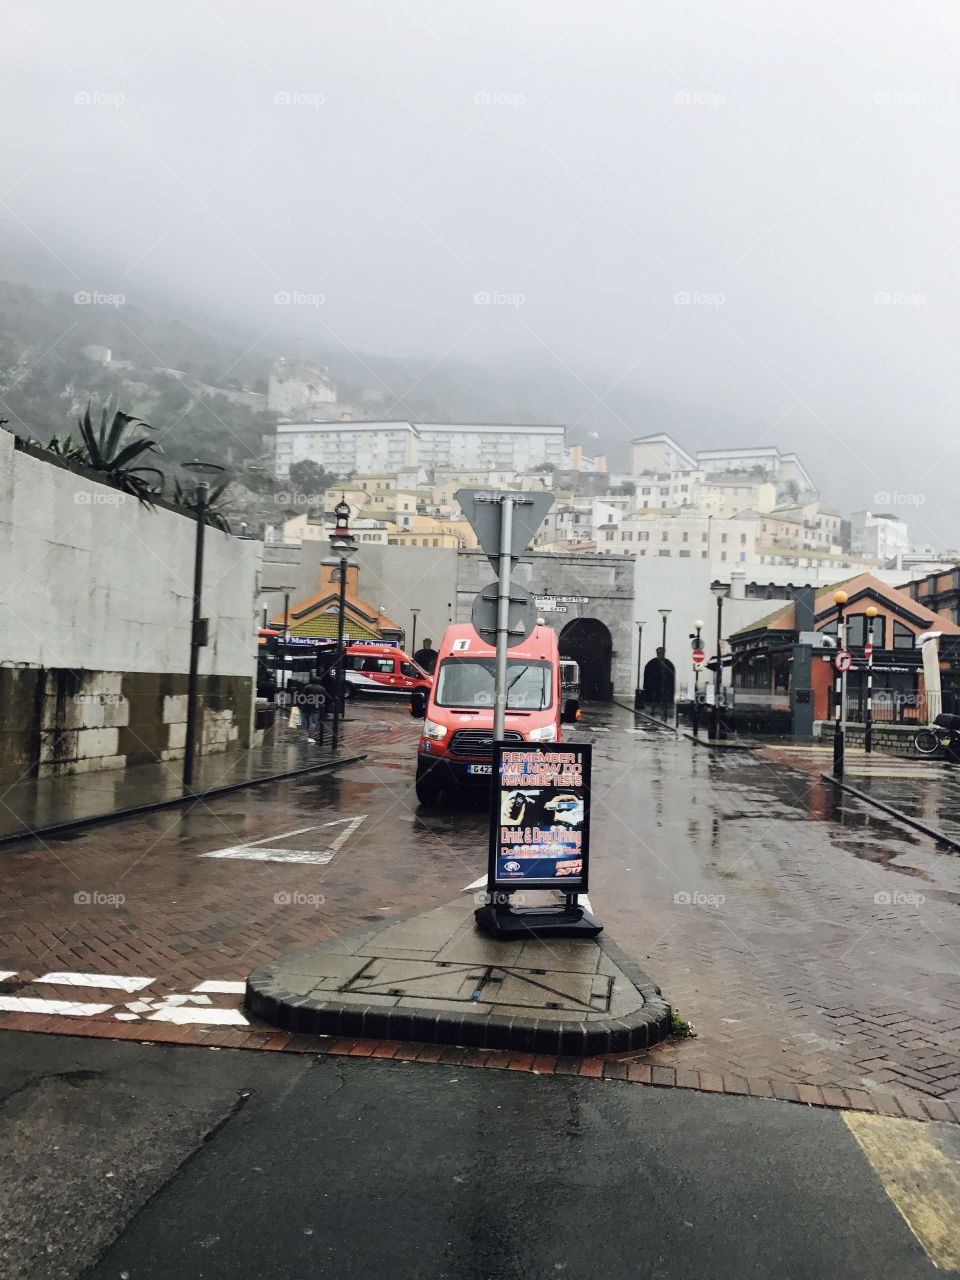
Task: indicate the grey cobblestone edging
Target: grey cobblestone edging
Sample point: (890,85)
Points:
(266,998)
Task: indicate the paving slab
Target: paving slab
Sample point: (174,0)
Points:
(433,977)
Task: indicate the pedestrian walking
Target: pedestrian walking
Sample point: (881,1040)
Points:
(314,702)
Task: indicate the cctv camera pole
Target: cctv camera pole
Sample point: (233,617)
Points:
(198,636)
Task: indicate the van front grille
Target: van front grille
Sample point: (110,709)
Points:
(477,743)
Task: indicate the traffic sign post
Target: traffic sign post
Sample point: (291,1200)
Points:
(505,524)
(698,656)
(842,661)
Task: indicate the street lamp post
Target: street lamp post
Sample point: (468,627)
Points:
(413,641)
(638,691)
(716,725)
(664,614)
(198,637)
(839,690)
(868,725)
(341,543)
(697,627)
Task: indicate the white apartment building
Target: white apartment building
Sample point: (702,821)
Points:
(879,535)
(365,447)
(679,535)
(660,453)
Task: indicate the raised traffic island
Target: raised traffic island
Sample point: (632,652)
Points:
(433,977)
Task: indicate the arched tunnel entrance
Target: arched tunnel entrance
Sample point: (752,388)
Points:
(589,642)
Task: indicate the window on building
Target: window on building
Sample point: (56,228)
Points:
(723,537)
(643,535)
(665,536)
(902,636)
(686,536)
(743,539)
(609,535)
(664,553)
(685,554)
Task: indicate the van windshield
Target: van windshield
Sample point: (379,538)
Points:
(469,682)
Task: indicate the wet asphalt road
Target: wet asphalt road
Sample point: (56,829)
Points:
(235,1165)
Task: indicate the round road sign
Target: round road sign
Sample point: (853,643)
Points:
(843,660)
(698,657)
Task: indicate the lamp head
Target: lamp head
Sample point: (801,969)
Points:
(871,612)
(839,597)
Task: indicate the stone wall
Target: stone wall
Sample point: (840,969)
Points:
(602,584)
(95,606)
(893,739)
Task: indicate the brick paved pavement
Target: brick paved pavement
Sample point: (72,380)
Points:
(744,885)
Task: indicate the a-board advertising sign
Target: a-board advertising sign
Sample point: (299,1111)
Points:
(540,816)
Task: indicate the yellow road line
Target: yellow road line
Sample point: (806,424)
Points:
(919,1166)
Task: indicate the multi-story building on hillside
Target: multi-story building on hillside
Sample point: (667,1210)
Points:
(879,535)
(679,534)
(661,454)
(361,447)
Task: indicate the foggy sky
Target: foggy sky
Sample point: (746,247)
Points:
(791,167)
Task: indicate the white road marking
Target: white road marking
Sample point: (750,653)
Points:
(106,981)
(69,1008)
(7,973)
(265,851)
(480,883)
(182,1014)
(223,988)
(126,1017)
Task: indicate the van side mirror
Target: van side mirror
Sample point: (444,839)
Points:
(418,704)
(571,711)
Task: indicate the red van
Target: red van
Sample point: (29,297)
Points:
(381,668)
(456,744)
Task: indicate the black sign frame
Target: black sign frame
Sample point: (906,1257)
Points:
(496,882)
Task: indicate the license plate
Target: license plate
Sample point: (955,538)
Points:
(480,768)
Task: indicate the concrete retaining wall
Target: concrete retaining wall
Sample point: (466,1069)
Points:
(95,605)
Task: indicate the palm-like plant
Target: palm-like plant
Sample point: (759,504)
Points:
(111,450)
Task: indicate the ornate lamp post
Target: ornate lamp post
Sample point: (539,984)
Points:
(697,628)
(839,690)
(342,544)
(868,725)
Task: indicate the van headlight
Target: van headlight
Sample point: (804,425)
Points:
(546,734)
(433,730)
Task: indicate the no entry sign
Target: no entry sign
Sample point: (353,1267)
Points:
(698,657)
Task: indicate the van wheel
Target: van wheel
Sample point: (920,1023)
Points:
(428,787)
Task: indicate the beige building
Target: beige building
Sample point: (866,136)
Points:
(680,535)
